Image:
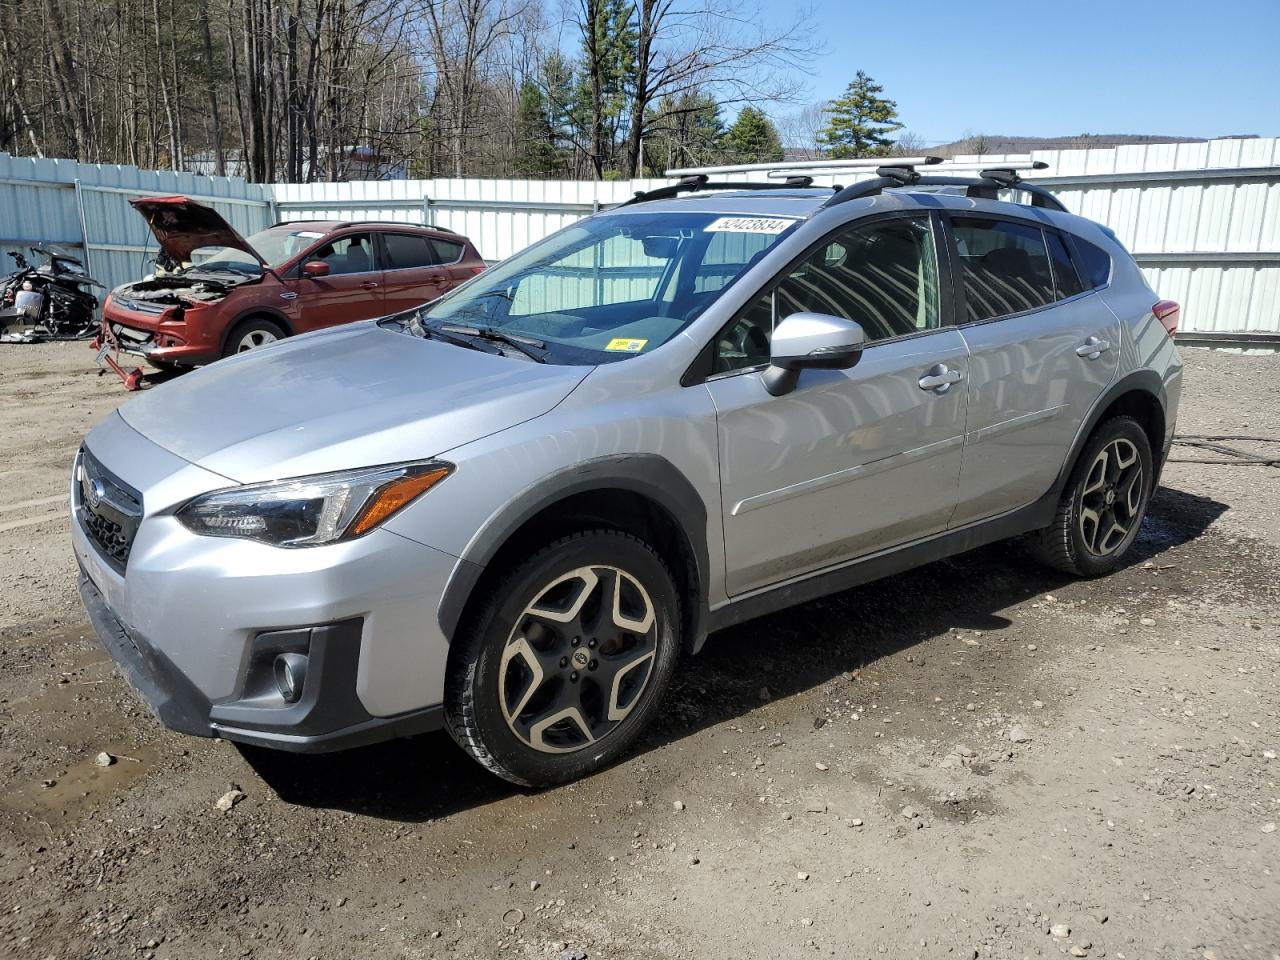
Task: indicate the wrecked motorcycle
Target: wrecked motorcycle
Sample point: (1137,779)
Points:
(51,301)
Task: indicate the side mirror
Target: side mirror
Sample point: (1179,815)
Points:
(315,268)
(806,341)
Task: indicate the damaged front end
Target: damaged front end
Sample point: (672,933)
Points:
(152,319)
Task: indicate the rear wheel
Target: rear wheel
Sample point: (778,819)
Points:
(1103,504)
(567,659)
(251,334)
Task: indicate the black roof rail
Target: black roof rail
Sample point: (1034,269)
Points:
(391,223)
(701,181)
(986,186)
(342,225)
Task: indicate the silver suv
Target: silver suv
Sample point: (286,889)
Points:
(511,512)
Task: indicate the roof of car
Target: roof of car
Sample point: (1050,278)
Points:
(329,225)
(803,202)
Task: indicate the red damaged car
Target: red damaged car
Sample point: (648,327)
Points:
(223,294)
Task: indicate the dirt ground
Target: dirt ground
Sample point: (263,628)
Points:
(973,759)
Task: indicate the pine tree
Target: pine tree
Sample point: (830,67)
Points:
(860,121)
(753,138)
(536,154)
(608,61)
(687,131)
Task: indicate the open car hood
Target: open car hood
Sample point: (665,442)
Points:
(181,225)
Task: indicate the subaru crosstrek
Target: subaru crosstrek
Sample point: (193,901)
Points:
(511,512)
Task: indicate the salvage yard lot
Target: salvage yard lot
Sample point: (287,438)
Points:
(976,758)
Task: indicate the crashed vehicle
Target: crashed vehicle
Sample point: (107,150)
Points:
(216,293)
(52,300)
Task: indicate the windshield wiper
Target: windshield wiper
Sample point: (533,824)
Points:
(497,336)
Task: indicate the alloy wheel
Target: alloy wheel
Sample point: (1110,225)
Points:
(255,338)
(1111,498)
(578,660)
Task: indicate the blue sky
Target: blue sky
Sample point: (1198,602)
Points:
(1060,68)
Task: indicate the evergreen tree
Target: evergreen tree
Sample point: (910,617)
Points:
(536,153)
(753,138)
(608,61)
(688,131)
(860,121)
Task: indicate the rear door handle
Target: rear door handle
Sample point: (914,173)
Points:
(438,278)
(939,378)
(1093,348)
(369,285)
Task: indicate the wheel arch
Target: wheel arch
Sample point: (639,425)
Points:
(641,494)
(255,313)
(1140,395)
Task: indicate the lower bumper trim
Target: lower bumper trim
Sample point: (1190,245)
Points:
(373,730)
(329,719)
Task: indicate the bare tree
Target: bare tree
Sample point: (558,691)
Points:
(801,131)
(719,46)
(463,35)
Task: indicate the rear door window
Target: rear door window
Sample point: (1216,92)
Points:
(1004,267)
(405,250)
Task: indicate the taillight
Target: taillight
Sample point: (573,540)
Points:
(476,271)
(1166,312)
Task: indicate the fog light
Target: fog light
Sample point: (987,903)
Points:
(291,674)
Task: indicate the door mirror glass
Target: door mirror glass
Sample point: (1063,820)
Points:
(811,340)
(315,268)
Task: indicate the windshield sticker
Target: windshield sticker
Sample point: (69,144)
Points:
(624,345)
(309,234)
(770,225)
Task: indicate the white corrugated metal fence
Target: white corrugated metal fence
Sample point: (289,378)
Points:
(1202,218)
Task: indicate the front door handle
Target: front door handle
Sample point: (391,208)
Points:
(369,285)
(1093,348)
(939,378)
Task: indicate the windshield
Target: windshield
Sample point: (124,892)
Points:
(277,245)
(611,286)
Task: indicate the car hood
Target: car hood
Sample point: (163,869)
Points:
(352,396)
(181,225)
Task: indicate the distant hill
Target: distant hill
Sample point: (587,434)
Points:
(997,143)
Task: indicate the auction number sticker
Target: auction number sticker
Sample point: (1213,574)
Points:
(625,345)
(770,225)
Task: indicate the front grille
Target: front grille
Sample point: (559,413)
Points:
(108,509)
(150,307)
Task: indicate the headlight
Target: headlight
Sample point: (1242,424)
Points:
(309,511)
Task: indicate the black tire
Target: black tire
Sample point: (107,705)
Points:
(1086,546)
(255,328)
(486,682)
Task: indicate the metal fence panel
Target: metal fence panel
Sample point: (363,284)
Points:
(1202,219)
(86,207)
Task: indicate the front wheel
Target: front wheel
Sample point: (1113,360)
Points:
(1103,504)
(252,334)
(566,660)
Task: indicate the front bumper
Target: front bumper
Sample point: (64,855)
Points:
(196,622)
(170,336)
(328,717)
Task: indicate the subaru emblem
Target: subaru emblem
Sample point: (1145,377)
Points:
(97,490)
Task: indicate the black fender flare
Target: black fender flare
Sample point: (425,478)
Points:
(648,475)
(1140,381)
